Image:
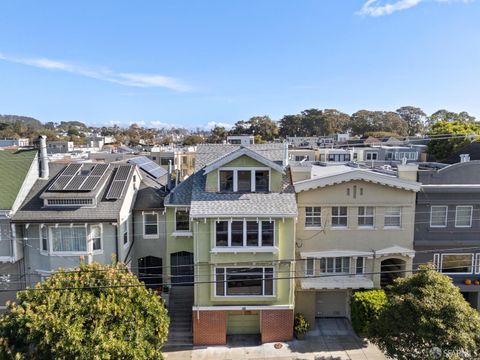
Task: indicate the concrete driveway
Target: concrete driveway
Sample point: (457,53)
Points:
(331,339)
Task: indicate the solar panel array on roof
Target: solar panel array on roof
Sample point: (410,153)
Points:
(148,166)
(79,177)
(119,181)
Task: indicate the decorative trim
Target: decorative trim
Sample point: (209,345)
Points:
(237,307)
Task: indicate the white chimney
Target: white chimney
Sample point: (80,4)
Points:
(464,158)
(285,153)
(44,172)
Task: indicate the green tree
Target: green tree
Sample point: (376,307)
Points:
(365,121)
(218,135)
(292,125)
(426,314)
(193,140)
(264,127)
(450,116)
(95,320)
(414,117)
(335,121)
(460,133)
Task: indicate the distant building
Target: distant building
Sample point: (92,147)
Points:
(59,147)
(14,142)
(241,139)
(181,158)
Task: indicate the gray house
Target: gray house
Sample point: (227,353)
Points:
(447,224)
(77,212)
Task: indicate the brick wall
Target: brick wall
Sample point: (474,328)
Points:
(209,327)
(276,325)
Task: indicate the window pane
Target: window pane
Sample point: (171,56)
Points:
(323,265)
(339,216)
(365,216)
(268,233)
(244,281)
(457,263)
(182,220)
(69,239)
(268,281)
(244,181)
(237,233)
(330,265)
(392,217)
(151,225)
(221,228)
(96,237)
(345,265)
(45,238)
(261,180)
(309,267)
(313,216)
(338,265)
(463,217)
(226,180)
(252,233)
(438,216)
(359,265)
(220,282)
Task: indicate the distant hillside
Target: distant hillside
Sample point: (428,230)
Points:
(68,124)
(29,121)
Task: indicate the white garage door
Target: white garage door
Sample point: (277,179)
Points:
(331,304)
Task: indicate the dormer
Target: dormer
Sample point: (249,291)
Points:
(244,171)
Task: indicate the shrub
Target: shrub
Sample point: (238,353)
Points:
(300,324)
(366,307)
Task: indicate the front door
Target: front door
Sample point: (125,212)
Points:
(181,264)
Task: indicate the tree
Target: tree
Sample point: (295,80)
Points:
(218,135)
(426,314)
(292,125)
(450,116)
(414,117)
(335,121)
(460,133)
(87,322)
(365,121)
(193,140)
(264,127)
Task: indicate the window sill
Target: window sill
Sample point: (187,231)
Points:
(267,297)
(182,234)
(339,228)
(150,236)
(366,228)
(313,228)
(392,228)
(246,249)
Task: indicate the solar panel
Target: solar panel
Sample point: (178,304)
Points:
(75,183)
(99,169)
(60,183)
(71,169)
(119,181)
(148,166)
(90,183)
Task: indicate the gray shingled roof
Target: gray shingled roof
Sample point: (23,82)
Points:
(32,209)
(212,204)
(151,193)
(208,153)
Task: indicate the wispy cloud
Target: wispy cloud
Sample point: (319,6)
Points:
(104,74)
(381,8)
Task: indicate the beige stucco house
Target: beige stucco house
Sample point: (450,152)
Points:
(354,231)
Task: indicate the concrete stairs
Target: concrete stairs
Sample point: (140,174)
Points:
(180,311)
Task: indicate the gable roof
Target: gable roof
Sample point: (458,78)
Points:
(341,174)
(238,153)
(14,167)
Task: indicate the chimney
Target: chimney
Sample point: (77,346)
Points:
(464,158)
(285,153)
(44,172)
(407,172)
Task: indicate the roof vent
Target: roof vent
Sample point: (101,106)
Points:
(464,158)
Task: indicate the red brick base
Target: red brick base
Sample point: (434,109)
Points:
(276,325)
(209,327)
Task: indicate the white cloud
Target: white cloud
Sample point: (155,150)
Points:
(126,79)
(380,8)
(211,124)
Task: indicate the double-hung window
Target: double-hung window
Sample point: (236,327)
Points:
(366,215)
(310,266)
(438,216)
(463,216)
(182,220)
(360,265)
(244,233)
(244,180)
(337,265)
(393,217)
(339,216)
(238,281)
(313,217)
(125,233)
(69,239)
(44,239)
(150,224)
(96,237)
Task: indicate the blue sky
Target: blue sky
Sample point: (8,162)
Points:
(194,63)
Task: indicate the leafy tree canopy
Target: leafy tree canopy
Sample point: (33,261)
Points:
(89,323)
(414,117)
(365,121)
(449,116)
(426,314)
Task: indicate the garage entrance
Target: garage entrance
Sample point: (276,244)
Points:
(243,323)
(331,304)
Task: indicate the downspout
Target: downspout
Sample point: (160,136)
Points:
(116,241)
(133,237)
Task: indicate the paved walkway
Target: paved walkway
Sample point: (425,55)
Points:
(332,339)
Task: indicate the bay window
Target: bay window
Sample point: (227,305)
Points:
(244,180)
(69,239)
(457,263)
(244,233)
(237,281)
(310,266)
(339,216)
(96,236)
(44,238)
(337,265)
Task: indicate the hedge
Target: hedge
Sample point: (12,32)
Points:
(365,307)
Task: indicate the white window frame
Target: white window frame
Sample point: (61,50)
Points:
(315,214)
(366,217)
(477,263)
(456,216)
(339,217)
(334,265)
(399,217)
(125,229)
(446,216)
(145,235)
(308,273)
(41,229)
(260,235)
(363,264)
(458,254)
(252,177)
(189,222)
(436,262)
(274,290)
(66,253)
(90,235)
(372,154)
